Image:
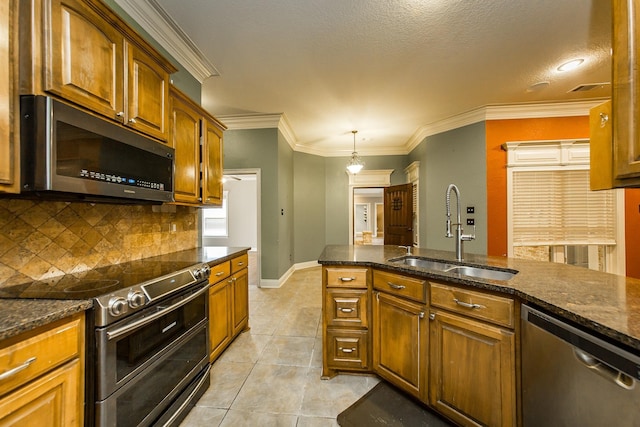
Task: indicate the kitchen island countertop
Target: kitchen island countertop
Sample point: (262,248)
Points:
(604,303)
(19,315)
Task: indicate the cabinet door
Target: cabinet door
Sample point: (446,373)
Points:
(400,343)
(83,58)
(472,371)
(240,283)
(625,92)
(220,300)
(185,138)
(212,165)
(9,150)
(52,400)
(148,93)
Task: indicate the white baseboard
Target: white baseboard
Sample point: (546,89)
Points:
(277,283)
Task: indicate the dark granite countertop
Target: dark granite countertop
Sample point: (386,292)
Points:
(21,315)
(604,303)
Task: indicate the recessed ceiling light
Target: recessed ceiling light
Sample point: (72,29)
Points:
(575,63)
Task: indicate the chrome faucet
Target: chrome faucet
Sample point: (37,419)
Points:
(460,238)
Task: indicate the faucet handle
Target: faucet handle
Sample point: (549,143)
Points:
(468,237)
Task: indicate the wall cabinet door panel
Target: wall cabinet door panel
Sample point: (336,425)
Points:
(84,58)
(212,164)
(185,138)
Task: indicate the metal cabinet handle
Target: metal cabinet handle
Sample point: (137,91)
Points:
(421,315)
(432,316)
(347,279)
(132,121)
(120,114)
(241,263)
(12,372)
(346,310)
(348,350)
(219,273)
(467,304)
(394,286)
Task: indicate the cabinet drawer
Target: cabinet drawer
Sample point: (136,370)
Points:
(347,277)
(220,271)
(479,305)
(402,286)
(39,351)
(238,263)
(346,308)
(347,349)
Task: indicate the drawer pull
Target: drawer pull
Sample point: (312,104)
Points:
(467,305)
(12,372)
(347,279)
(346,310)
(240,263)
(348,350)
(219,273)
(394,286)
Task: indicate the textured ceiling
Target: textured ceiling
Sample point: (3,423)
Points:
(389,68)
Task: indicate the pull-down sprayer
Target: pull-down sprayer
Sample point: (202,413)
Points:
(460,238)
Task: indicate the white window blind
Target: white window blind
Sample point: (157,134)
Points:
(556,207)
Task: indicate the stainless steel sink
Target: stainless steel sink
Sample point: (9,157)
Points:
(429,264)
(465,270)
(482,273)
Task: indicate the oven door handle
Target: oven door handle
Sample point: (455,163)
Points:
(145,320)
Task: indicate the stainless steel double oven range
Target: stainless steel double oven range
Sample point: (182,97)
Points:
(147,338)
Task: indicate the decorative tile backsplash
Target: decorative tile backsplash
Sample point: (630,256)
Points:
(43,239)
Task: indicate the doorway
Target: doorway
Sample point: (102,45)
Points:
(237,222)
(368,216)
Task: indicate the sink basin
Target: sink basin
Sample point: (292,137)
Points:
(482,273)
(429,264)
(465,270)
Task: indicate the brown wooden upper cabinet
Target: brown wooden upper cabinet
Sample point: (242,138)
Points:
(79,50)
(197,138)
(615,133)
(9,142)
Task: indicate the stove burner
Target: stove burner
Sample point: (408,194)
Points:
(95,285)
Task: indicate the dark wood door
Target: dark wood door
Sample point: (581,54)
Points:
(398,215)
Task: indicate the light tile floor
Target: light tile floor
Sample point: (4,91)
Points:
(270,375)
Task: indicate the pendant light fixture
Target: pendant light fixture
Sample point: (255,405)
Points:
(356,164)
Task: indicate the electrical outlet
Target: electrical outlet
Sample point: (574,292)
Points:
(471,221)
(471,209)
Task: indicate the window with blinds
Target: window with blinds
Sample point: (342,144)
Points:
(556,207)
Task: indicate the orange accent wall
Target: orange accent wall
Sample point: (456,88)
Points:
(632,231)
(497,133)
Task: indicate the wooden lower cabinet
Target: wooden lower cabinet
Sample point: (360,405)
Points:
(240,313)
(400,343)
(43,372)
(228,303)
(472,371)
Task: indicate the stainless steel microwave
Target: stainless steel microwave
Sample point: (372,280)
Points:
(67,153)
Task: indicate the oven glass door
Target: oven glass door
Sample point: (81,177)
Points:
(127,348)
(146,396)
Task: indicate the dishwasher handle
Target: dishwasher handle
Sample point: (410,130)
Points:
(619,378)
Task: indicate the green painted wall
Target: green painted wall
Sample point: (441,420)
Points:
(452,157)
(309,206)
(285,203)
(258,149)
(182,79)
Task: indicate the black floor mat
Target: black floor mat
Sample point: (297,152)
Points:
(385,405)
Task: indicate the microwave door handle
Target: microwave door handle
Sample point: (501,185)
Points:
(146,320)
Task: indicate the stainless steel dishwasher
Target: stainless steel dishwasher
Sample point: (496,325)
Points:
(572,378)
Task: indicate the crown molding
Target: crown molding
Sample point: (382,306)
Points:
(157,22)
(490,112)
(262,121)
(503,112)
